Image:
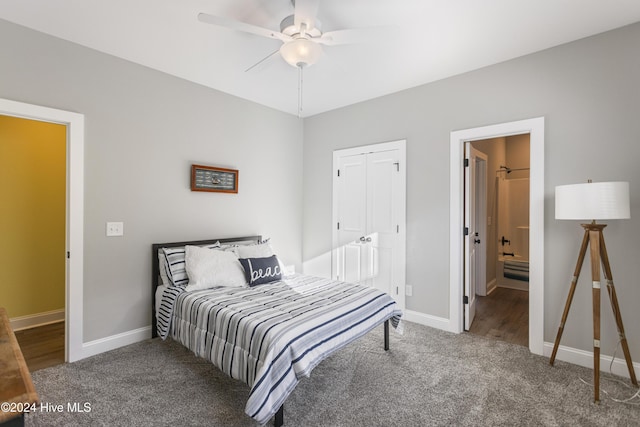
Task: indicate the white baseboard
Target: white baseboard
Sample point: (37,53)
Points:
(491,286)
(113,342)
(565,354)
(101,345)
(585,358)
(39,319)
(428,320)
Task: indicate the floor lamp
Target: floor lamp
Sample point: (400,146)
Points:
(595,201)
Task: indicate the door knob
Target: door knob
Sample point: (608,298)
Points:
(476,240)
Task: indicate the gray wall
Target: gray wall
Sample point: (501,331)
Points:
(589,93)
(143,131)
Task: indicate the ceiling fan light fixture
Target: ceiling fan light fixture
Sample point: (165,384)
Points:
(301,52)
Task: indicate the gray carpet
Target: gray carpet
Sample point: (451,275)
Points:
(427,378)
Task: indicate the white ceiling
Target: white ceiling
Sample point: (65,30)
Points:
(426,40)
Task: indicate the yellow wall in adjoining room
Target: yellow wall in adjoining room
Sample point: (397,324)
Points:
(32,216)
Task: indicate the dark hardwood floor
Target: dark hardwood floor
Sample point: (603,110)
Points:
(503,315)
(42,346)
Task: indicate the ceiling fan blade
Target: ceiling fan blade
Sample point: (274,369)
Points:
(241,26)
(358,35)
(265,59)
(305,13)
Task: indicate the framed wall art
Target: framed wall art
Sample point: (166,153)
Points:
(214,179)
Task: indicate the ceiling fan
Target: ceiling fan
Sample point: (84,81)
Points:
(301,36)
(300,33)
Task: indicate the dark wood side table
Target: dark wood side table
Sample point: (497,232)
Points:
(16,388)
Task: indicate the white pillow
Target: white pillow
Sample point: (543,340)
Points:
(260,250)
(208,268)
(174,263)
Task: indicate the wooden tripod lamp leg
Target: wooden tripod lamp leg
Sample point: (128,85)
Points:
(572,289)
(594,242)
(594,239)
(616,309)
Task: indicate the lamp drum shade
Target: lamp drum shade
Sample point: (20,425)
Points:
(593,201)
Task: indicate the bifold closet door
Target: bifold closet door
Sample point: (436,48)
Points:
(368,223)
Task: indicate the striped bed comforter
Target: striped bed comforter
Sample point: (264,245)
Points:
(270,336)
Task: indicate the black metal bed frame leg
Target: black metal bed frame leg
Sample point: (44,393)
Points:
(386,335)
(279,419)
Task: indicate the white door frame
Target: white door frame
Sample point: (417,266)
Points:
(401,146)
(535,128)
(74,123)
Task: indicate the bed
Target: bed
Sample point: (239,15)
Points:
(269,334)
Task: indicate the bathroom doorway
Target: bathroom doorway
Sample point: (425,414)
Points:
(502,307)
(534,127)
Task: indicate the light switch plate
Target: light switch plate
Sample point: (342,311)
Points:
(115,229)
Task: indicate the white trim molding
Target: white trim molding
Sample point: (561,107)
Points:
(102,345)
(74,212)
(35,320)
(535,128)
(427,320)
(617,366)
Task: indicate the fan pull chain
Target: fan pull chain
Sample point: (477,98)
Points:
(299,91)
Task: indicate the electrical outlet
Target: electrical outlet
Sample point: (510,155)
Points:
(115,229)
(408,290)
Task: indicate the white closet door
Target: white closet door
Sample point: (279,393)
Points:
(352,214)
(369,198)
(381,239)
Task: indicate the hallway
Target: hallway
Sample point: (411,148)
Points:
(503,315)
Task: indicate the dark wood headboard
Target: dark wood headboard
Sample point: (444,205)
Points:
(155,265)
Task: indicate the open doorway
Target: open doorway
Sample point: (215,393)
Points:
(74,215)
(535,128)
(502,305)
(32,223)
